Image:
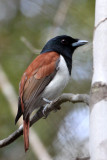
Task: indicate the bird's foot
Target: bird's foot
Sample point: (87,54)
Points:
(45,107)
(44,111)
(47,100)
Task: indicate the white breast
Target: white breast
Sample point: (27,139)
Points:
(59,82)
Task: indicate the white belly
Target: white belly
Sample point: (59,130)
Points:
(59,82)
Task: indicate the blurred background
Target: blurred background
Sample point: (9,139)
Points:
(25,26)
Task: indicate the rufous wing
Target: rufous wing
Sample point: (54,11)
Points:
(34,80)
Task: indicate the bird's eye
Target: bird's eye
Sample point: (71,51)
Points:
(63,41)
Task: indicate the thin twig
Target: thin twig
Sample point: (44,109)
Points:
(84,98)
(105,19)
(85,158)
(59,18)
(61,13)
(29,45)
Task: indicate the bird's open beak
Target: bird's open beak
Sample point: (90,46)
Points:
(79,43)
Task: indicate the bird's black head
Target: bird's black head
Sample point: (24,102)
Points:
(64,45)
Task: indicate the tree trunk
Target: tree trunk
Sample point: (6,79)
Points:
(98,101)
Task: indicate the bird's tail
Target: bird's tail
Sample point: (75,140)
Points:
(26,134)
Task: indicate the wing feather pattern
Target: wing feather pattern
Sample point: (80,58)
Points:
(36,77)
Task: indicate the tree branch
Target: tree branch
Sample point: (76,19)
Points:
(85,158)
(29,45)
(83,98)
(105,19)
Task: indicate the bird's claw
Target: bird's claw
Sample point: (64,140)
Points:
(45,107)
(47,100)
(44,112)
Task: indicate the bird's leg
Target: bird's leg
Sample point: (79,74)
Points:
(44,111)
(45,107)
(47,100)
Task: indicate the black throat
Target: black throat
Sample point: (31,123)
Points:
(69,64)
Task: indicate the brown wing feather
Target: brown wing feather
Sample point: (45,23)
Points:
(37,76)
(39,73)
(35,100)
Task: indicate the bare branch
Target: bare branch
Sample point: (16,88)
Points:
(100,23)
(12,137)
(61,13)
(84,98)
(29,45)
(59,18)
(85,158)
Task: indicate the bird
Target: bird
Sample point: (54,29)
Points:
(45,78)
